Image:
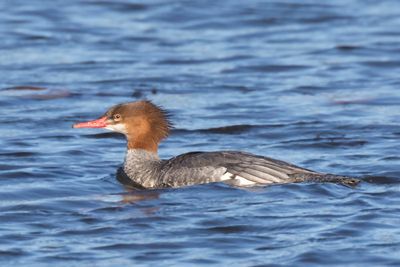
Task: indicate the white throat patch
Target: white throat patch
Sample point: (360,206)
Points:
(119,128)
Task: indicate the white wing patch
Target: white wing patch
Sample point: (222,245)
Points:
(236,179)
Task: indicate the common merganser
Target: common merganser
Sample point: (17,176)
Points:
(145,125)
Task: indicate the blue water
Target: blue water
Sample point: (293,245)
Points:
(315,83)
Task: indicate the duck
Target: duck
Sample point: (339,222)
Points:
(145,125)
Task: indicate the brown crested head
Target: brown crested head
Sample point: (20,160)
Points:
(143,123)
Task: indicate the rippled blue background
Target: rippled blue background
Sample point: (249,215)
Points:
(312,82)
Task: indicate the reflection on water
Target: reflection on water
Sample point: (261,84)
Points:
(311,83)
(134,196)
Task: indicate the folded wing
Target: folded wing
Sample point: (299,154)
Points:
(238,168)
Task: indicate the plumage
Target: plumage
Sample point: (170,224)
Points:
(145,125)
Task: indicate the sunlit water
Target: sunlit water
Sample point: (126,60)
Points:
(315,83)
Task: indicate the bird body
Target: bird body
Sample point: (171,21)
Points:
(145,125)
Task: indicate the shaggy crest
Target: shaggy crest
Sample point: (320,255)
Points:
(146,124)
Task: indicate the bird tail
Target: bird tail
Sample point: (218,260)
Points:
(327,178)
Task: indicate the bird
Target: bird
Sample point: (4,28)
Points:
(146,124)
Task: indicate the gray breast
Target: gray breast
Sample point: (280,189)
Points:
(142,167)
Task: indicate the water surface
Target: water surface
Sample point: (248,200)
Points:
(309,82)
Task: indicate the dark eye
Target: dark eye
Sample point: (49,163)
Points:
(117,117)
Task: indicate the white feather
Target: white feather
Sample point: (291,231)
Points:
(119,128)
(239,180)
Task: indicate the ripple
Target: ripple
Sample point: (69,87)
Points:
(24,88)
(19,154)
(347,47)
(307,82)
(266,68)
(120,6)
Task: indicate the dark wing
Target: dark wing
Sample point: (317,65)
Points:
(233,167)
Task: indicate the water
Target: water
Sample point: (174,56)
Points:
(309,82)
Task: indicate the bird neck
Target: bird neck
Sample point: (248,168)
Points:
(142,143)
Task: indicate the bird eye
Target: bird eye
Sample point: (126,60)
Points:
(117,117)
